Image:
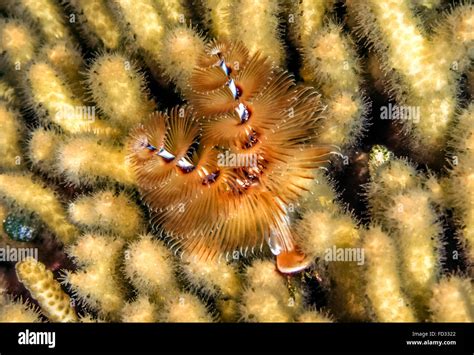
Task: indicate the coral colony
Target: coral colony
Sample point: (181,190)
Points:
(253,160)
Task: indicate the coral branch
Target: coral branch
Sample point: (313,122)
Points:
(383,279)
(96,283)
(26,193)
(54,302)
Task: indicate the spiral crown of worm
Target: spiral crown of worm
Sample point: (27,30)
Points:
(243,107)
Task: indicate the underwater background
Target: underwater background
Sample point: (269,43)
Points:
(224,161)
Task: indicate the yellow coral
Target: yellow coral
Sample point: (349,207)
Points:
(453,38)
(326,226)
(321,195)
(85,160)
(219,17)
(145,21)
(319,230)
(388,178)
(313,316)
(187,308)
(67,60)
(98,22)
(451,300)
(118,88)
(403,206)
(383,279)
(95,282)
(256,24)
(212,276)
(181,42)
(216,278)
(33,196)
(417,235)
(7,93)
(173,11)
(266,297)
(55,304)
(107,211)
(49,17)
(141,310)
(305,18)
(18,42)
(53,98)
(347,296)
(419,77)
(460,185)
(10,136)
(331,63)
(42,148)
(149,266)
(17,311)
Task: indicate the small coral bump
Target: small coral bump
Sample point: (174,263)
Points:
(48,15)
(11,135)
(451,300)
(384,286)
(18,311)
(143,22)
(118,87)
(140,310)
(97,23)
(185,308)
(86,160)
(24,192)
(215,278)
(54,302)
(312,315)
(41,152)
(256,24)
(266,297)
(181,42)
(109,212)
(150,268)
(18,43)
(95,283)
